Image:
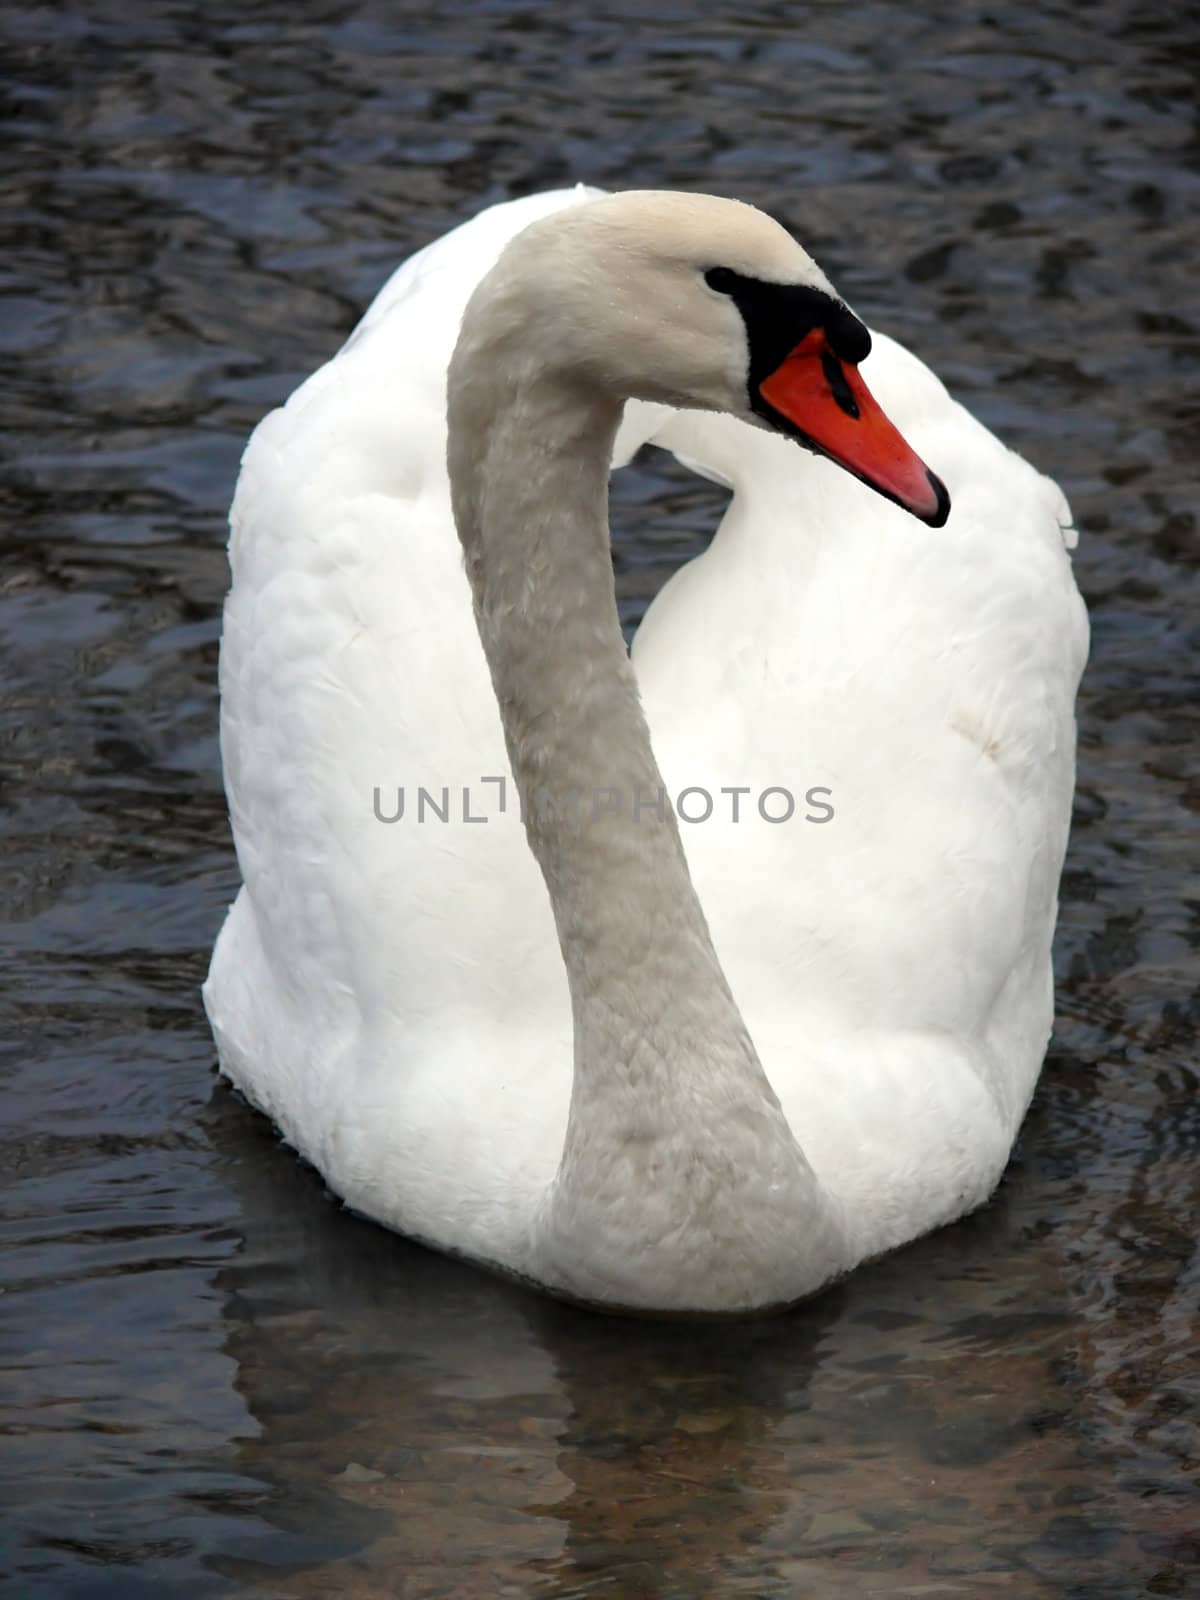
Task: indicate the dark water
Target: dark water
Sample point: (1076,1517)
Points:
(216,1382)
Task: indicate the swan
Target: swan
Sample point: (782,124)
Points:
(531,959)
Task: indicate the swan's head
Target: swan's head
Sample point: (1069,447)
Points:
(699,302)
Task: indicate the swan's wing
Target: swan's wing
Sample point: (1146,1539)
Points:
(446,271)
(350,663)
(349,657)
(927,677)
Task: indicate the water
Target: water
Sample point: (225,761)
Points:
(215,1381)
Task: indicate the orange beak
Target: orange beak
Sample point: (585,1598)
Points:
(827,403)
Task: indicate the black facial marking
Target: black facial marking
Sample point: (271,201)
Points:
(836,379)
(848,338)
(721,279)
(779,315)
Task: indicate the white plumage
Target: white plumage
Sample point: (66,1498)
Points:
(393,995)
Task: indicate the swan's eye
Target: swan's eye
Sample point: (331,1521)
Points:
(722,279)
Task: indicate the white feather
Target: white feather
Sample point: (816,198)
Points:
(393,996)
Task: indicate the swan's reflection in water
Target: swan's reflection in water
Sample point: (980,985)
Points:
(959,1415)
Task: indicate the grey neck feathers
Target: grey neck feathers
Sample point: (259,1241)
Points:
(664,1066)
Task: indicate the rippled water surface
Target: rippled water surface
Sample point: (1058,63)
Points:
(214,1380)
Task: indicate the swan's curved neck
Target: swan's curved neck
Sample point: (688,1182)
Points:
(666,1077)
(530,500)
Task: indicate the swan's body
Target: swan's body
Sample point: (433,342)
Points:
(395,996)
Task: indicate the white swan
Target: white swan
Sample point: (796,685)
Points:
(620,1108)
